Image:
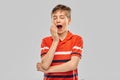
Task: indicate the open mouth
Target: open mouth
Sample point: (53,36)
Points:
(59,26)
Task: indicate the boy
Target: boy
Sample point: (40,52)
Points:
(60,52)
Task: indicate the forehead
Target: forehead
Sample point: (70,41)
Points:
(59,12)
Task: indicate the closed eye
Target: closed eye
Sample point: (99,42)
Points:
(62,17)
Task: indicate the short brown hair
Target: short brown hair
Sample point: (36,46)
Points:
(62,8)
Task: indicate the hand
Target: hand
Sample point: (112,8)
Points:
(39,68)
(54,33)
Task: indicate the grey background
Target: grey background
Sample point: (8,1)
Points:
(23,23)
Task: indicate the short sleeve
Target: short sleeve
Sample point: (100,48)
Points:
(44,48)
(77,47)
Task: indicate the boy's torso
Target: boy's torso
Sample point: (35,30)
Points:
(62,55)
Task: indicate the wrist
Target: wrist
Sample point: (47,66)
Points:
(55,40)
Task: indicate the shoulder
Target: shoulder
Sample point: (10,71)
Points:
(77,37)
(47,38)
(77,40)
(47,41)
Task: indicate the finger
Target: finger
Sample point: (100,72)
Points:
(38,65)
(38,68)
(53,24)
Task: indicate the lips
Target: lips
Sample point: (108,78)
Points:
(59,26)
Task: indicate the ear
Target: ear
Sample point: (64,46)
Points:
(69,21)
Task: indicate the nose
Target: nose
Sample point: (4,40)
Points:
(58,20)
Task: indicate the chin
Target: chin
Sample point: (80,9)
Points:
(61,32)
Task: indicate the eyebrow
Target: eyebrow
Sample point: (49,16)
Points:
(56,16)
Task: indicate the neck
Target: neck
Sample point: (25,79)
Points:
(63,35)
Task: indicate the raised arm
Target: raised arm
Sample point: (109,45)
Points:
(47,58)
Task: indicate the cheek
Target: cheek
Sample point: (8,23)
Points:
(65,23)
(54,22)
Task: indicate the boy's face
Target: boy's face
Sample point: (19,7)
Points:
(61,21)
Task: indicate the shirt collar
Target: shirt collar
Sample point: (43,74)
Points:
(69,35)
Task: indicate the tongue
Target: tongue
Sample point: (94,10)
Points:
(59,26)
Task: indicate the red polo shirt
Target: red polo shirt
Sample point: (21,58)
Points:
(71,46)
